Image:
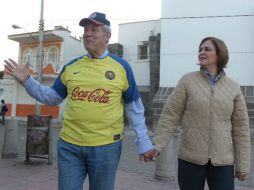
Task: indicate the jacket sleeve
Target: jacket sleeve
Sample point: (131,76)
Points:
(135,115)
(171,115)
(241,134)
(43,94)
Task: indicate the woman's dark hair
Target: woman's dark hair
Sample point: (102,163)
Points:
(221,51)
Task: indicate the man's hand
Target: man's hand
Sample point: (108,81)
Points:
(20,73)
(150,155)
(241,176)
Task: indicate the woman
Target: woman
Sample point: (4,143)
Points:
(215,134)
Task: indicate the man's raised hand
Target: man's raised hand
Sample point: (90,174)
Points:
(20,73)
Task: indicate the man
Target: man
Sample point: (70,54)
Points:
(3,109)
(95,85)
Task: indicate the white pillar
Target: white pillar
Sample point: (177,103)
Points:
(15,99)
(10,145)
(50,139)
(166,163)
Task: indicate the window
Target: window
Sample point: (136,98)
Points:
(28,59)
(143,50)
(52,57)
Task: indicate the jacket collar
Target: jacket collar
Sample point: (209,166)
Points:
(203,72)
(208,76)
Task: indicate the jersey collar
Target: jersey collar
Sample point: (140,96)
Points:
(103,55)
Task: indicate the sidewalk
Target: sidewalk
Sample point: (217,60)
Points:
(15,175)
(132,175)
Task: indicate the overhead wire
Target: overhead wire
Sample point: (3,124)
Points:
(162,18)
(146,19)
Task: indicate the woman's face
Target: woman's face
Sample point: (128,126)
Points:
(207,54)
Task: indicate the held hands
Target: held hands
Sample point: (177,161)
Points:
(20,73)
(148,156)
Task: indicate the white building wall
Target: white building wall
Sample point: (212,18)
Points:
(181,37)
(130,36)
(71,48)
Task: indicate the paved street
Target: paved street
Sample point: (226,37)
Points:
(132,175)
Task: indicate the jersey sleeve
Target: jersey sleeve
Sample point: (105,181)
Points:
(59,85)
(131,93)
(135,114)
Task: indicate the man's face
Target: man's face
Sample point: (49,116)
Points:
(95,38)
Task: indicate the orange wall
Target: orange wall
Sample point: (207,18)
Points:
(25,109)
(9,106)
(50,110)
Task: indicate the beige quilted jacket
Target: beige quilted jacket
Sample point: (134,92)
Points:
(214,122)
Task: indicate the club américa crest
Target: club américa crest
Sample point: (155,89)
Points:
(110,75)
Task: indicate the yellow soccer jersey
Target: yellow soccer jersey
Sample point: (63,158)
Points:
(95,91)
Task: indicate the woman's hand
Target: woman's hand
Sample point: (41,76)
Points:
(20,73)
(241,176)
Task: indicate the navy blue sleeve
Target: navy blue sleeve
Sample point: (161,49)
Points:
(59,87)
(132,93)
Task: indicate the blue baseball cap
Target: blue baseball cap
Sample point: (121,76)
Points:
(96,18)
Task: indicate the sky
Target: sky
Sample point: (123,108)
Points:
(26,13)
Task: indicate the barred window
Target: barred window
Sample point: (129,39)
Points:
(143,50)
(52,57)
(28,59)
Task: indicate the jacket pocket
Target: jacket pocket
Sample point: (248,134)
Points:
(186,140)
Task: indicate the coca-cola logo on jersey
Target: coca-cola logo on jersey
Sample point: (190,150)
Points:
(98,95)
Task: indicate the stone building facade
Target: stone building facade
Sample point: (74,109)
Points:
(164,92)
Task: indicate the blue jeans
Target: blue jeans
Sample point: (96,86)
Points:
(76,162)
